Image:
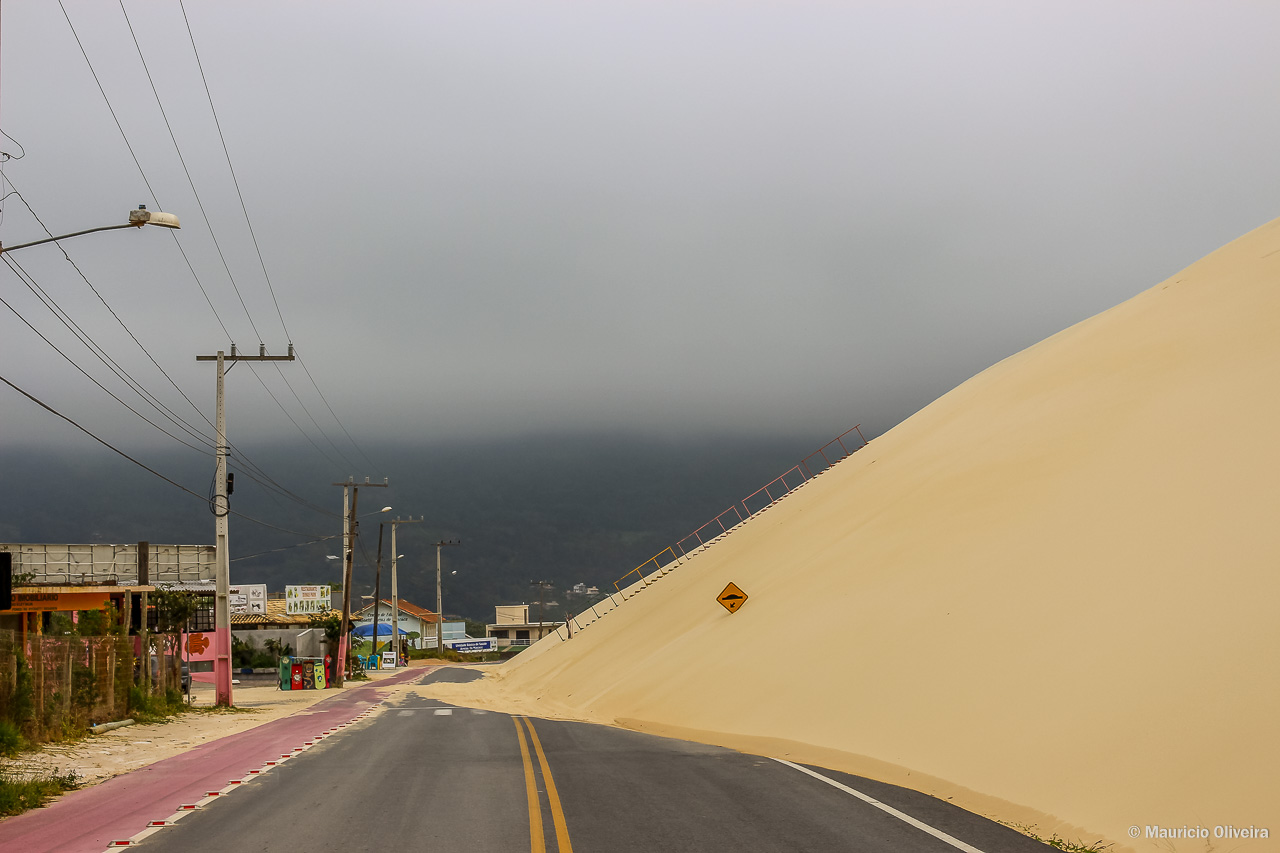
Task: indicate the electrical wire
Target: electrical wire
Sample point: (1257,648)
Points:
(123,135)
(146,395)
(287,547)
(98,351)
(253,234)
(177,243)
(200,204)
(22,274)
(146,467)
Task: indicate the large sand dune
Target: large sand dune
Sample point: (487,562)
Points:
(1052,594)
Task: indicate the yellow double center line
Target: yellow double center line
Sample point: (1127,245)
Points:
(537,843)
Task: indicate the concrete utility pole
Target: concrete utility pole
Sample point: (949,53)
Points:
(221,509)
(542,586)
(377,592)
(440,598)
(395,592)
(350,497)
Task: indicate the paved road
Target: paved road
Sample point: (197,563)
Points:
(88,821)
(425,776)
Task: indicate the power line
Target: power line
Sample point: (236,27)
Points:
(22,274)
(113,313)
(200,204)
(177,242)
(286,548)
(250,467)
(116,118)
(227,153)
(142,465)
(253,234)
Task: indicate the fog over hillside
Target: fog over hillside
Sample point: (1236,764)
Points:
(567,509)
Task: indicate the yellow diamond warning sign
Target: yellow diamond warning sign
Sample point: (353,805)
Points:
(732,598)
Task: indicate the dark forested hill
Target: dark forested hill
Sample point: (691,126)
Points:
(562,509)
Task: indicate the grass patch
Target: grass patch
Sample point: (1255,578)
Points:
(1054,840)
(155,709)
(17,794)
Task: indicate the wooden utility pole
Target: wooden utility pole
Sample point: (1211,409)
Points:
(350,529)
(144,579)
(222,509)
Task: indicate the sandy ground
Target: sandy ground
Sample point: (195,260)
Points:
(99,757)
(1049,595)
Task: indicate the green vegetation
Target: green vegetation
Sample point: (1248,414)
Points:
(156,708)
(17,794)
(11,740)
(245,654)
(1054,840)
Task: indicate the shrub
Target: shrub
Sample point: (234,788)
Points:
(17,794)
(11,740)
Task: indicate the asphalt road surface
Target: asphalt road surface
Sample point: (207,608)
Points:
(425,776)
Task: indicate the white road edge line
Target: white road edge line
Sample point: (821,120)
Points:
(871,801)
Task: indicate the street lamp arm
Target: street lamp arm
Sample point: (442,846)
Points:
(66,236)
(137,218)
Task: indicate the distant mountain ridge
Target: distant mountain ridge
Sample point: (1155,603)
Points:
(565,509)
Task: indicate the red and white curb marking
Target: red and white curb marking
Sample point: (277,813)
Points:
(185,809)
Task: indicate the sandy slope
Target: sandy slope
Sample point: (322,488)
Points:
(1051,594)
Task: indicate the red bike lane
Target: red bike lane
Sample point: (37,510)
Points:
(89,821)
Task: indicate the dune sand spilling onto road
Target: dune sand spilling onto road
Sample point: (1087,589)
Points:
(1051,594)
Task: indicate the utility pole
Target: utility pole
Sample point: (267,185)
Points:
(377,592)
(395,592)
(440,598)
(222,509)
(350,529)
(542,586)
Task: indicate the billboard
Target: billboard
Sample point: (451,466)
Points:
(248,598)
(302,599)
(487,644)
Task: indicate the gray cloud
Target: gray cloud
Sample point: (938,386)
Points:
(485,218)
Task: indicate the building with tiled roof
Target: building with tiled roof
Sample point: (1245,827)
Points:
(413,620)
(275,617)
(293,630)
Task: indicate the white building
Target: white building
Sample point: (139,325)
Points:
(511,626)
(414,620)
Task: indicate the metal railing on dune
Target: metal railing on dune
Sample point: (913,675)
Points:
(669,559)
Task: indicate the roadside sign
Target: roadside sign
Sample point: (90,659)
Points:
(732,598)
(248,598)
(487,644)
(306,598)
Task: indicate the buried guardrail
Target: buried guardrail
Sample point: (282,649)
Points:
(668,559)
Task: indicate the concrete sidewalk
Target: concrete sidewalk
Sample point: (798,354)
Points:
(89,820)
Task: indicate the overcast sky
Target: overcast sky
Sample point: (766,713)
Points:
(495,218)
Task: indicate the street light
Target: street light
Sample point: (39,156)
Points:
(137,218)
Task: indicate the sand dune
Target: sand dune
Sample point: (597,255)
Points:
(1051,594)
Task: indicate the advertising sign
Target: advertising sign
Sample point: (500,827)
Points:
(305,598)
(248,598)
(33,602)
(472,646)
